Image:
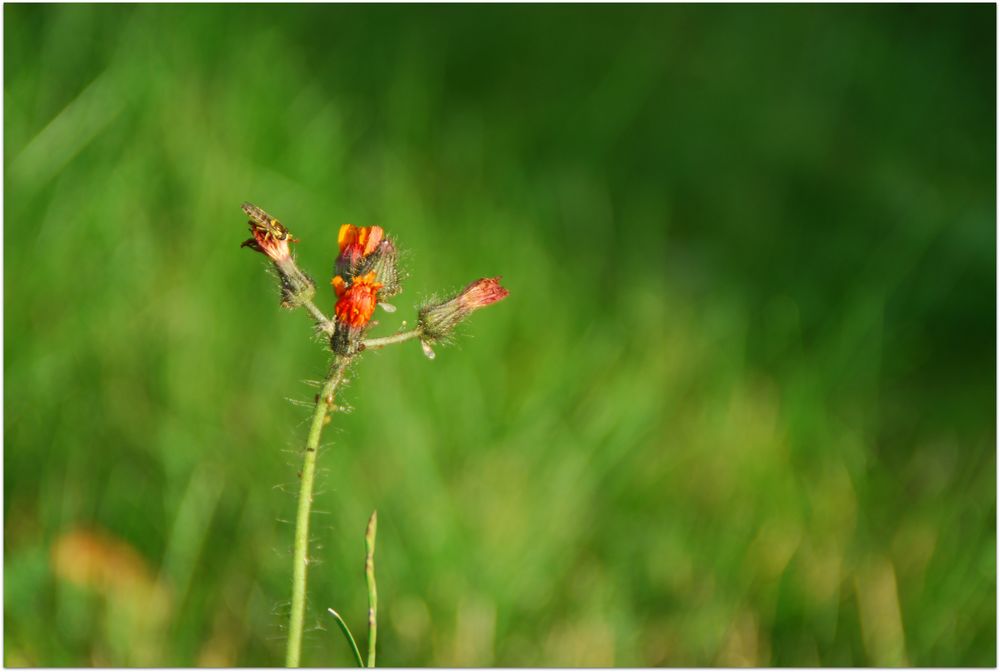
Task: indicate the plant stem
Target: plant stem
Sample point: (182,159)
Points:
(326,325)
(372,592)
(300,561)
(376,343)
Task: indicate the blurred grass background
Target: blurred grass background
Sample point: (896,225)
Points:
(739,408)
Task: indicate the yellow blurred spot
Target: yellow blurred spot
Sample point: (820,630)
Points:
(773,547)
(475,628)
(138,605)
(96,560)
(411,618)
(589,643)
(878,608)
(820,565)
(740,649)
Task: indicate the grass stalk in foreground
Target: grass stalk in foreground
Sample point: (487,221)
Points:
(372,590)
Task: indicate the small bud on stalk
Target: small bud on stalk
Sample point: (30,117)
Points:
(437,321)
(272,239)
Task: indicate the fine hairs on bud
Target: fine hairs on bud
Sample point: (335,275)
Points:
(366,272)
(384,263)
(297,288)
(438,320)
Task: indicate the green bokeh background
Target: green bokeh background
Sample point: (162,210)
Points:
(739,407)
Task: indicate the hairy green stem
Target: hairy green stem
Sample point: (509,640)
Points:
(325,325)
(376,343)
(372,592)
(300,560)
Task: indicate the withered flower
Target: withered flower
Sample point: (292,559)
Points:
(271,238)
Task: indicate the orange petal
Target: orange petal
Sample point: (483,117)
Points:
(374,238)
(338,285)
(348,234)
(367,279)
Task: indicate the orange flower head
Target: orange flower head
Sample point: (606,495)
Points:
(356,243)
(356,303)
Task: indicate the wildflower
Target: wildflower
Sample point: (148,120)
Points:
(271,238)
(276,250)
(438,320)
(356,304)
(356,243)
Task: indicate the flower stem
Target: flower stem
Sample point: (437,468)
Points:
(376,343)
(372,592)
(300,561)
(325,324)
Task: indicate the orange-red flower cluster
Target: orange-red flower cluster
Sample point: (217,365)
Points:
(356,302)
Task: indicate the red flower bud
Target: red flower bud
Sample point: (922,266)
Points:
(438,320)
(482,293)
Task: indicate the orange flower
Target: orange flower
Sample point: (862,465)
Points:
(356,243)
(356,304)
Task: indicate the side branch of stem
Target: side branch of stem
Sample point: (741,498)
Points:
(322,322)
(376,343)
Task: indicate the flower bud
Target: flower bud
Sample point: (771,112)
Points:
(272,239)
(438,320)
